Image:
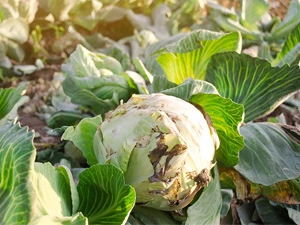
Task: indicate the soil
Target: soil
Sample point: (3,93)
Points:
(279,7)
(39,90)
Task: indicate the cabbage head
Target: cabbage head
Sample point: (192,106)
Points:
(164,145)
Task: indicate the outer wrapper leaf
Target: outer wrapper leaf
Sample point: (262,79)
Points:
(136,131)
(82,136)
(226,117)
(199,212)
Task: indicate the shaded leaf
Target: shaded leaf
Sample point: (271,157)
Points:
(270,214)
(160,83)
(264,51)
(270,154)
(140,67)
(245,213)
(284,192)
(62,118)
(230,25)
(14,29)
(294,212)
(190,87)
(149,216)
(82,136)
(95,80)
(58,8)
(252,12)
(88,99)
(14,50)
(227,195)
(291,57)
(289,22)
(19,9)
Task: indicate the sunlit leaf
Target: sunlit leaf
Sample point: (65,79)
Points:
(252,82)
(10,100)
(104,196)
(190,57)
(290,49)
(226,117)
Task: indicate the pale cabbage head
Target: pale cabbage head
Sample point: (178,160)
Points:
(164,145)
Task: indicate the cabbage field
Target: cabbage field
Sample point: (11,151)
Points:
(143,112)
